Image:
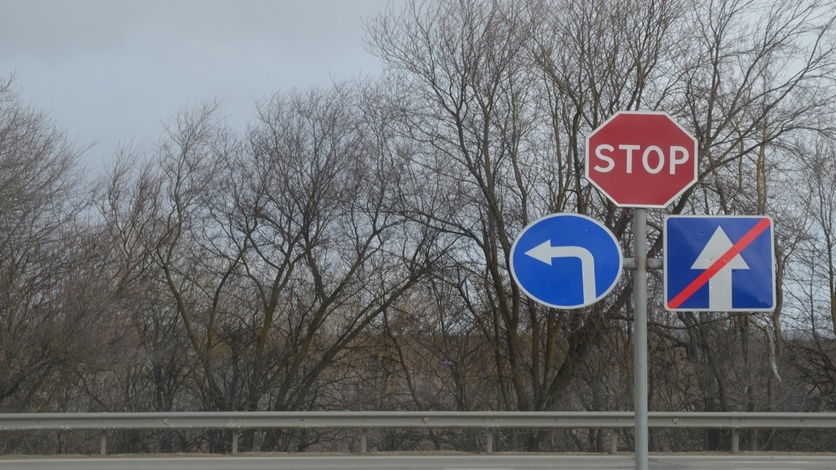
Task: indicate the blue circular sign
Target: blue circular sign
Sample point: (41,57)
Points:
(566,260)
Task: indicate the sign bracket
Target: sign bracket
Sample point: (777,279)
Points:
(640,387)
(652,264)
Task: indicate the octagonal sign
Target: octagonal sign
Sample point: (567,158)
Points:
(641,159)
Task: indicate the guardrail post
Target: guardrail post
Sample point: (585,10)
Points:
(364,437)
(735,440)
(489,441)
(613,441)
(234,441)
(103,442)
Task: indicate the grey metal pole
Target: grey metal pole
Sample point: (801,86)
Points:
(640,334)
(364,438)
(735,440)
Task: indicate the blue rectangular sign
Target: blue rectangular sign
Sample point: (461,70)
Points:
(719,263)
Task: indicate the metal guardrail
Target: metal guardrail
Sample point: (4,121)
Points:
(364,420)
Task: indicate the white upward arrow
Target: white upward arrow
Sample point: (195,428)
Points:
(720,285)
(545,252)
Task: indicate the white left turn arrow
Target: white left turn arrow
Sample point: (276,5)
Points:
(545,252)
(720,284)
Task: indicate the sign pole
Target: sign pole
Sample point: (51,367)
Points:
(641,159)
(640,334)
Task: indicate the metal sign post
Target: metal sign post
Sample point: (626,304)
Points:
(640,334)
(641,160)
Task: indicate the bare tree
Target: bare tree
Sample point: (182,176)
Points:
(277,248)
(43,320)
(481,169)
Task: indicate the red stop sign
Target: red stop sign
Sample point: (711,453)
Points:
(641,159)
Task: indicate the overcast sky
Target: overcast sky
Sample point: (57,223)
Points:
(109,71)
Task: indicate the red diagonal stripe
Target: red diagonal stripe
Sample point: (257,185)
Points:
(721,262)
